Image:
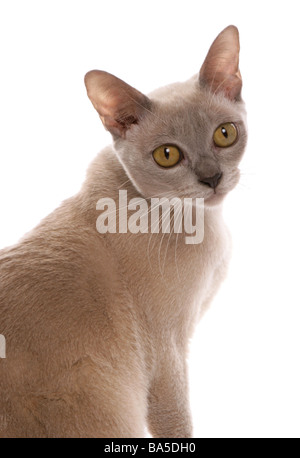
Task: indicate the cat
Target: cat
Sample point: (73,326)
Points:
(97,325)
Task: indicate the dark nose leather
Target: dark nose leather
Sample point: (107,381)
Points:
(212,182)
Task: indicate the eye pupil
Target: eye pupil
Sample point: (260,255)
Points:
(225,135)
(224,132)
(167,155)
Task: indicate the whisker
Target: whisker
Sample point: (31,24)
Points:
(173,225)
(162,270)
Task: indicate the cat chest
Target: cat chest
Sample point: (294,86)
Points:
(171,279)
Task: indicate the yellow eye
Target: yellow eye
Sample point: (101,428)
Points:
(225,135)
(167,155)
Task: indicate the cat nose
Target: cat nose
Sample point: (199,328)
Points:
(212,182)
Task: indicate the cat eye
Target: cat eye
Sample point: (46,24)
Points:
(167,155)
(225,135)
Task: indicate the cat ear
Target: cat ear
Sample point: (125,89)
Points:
(118,104)
(220,70)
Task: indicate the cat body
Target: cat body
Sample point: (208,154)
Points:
(97,326)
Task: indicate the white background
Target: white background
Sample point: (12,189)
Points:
(244,363)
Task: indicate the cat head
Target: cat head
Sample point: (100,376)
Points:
(185,139)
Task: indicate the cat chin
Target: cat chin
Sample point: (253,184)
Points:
(214,200)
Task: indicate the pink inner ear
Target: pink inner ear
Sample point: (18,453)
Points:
(229,85)
(118,104)
(220,70)
(119,115)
